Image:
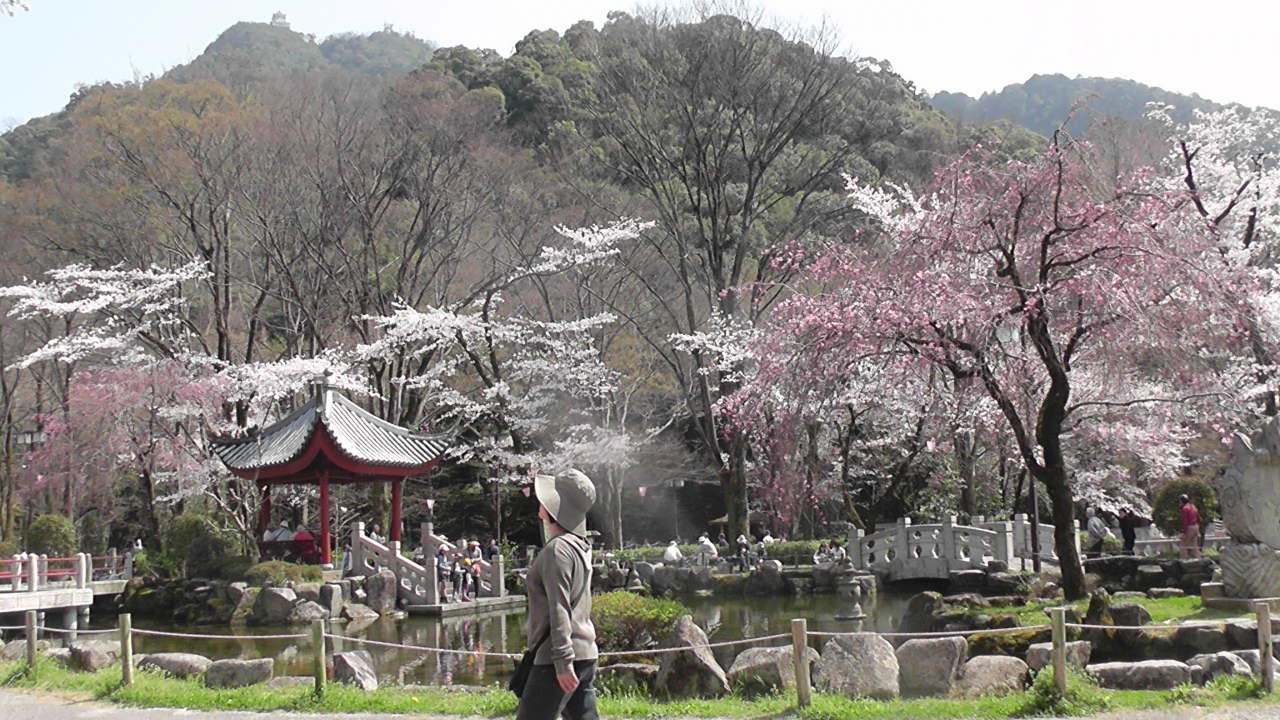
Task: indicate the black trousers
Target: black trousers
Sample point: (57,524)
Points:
(544,700)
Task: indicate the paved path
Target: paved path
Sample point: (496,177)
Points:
(26,706)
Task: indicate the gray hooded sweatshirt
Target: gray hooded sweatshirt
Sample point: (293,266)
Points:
(560,575)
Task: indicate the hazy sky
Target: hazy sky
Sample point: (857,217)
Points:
(1224,50)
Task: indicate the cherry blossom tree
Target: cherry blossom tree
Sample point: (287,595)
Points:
(1064,306)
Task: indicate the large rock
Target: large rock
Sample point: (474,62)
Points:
(1202,638)
(1243,632)
(308,591)
(355,668)
(60,656)
(1040,655)
(356,611)
(1145,675)
(768,580)
(825,575)
(1251,658)
(305,613)
(273,605)
(1215,665)
(930,666)
(238,673)
(243,611)
(181,665)
(992,675)
(644,571)
(17,650)
(331,599)
(761,670)
(635,677)
(693,671)
(1130,614)
(856,665)
(381,591)
(919,616)
(95,655)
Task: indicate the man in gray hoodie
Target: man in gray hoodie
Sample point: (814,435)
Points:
(559,588)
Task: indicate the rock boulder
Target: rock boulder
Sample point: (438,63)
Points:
(381,591)
(930,666)
(95,655)
(238,673)
(856,665)
(761,670)
(1216,665)
(692,672)
(355,667)
(1145,675)
(992,675)
(273,605)
(304,613)
(1039,655)
(180,665)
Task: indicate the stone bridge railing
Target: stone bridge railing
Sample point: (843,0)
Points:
(416,584)
(906,551)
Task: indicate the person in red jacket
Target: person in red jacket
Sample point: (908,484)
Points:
(1190,529)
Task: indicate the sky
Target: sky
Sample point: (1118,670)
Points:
(1225,50)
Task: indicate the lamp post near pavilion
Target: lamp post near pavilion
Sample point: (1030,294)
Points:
(676,484)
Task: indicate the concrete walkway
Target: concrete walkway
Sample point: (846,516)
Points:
(30,706)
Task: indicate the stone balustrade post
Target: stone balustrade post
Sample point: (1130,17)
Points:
(1003,549)
(357,548)
(1021,537)
(15,571)
(33,572)
(497,587)
(857,549)
(948,539)
(902,543)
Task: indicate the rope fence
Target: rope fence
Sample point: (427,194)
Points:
(800,637)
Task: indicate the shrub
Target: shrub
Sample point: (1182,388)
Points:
(1167,512)
(10,547)
(1082,697)
(177,538)
(279,572)
(626,621)
(52,535)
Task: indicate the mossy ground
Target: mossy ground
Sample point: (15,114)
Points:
(154,690)
(1163,611)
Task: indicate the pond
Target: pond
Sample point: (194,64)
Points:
(725,618)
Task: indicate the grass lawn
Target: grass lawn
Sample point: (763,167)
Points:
(155,690)
(1165,611)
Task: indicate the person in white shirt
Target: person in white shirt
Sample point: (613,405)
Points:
(272,528)
(284,534)
(706,551)
(767,539)
(672,555)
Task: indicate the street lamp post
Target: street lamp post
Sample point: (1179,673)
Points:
(675,502)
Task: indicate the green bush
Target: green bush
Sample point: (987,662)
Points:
(1167,512)
(1082,697)
(52,535)
(626,621)
(279,572)
(10,547)
(177,538)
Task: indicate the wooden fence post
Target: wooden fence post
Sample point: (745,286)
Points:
(317,641)
(126,648)
(31,640)
(800,643)
(1059,652)
(1266,661)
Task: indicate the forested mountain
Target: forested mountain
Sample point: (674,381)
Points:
(1043,102)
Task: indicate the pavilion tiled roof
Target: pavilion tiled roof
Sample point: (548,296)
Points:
(360,435)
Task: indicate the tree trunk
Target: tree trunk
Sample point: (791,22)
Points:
(1062,505)
(733,483)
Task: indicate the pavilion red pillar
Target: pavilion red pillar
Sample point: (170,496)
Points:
(326,555)
(264,513)
(395,508)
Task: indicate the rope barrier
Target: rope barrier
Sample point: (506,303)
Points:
(418,648)
(1080,626)
(711,646)
(160,633)
(65,631)
(941,634)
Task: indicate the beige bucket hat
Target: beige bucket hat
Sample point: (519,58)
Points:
(567,497)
